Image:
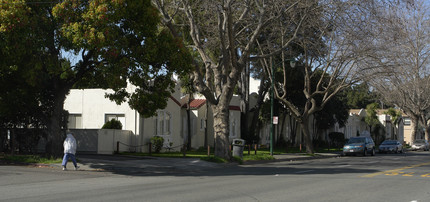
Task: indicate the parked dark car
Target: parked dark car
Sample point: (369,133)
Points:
(391,146)
(420,145)
(359,145)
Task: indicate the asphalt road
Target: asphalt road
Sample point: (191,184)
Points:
(384,177)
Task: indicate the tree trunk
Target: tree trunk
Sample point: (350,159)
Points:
(293,131)
(221,130)
(206,125)
(281,139)
(54,146)
(244,103)
(189,130)
(12,141)
(254,127)
(414,129)
(244,126)
(427,136)
(308,140)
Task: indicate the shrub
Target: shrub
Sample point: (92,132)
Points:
(113,124)
(157,143)
(319,143)
(338,139)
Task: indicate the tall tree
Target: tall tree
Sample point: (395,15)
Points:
(401,58)
(396,116)
(328,49)
(359,96)
(335,111)
(112,41)
(371,118)
(224,34)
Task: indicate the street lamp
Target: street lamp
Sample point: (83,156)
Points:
(292,65)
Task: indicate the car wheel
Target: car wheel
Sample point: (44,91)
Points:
(373,152)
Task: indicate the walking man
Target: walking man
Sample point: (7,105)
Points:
(69,151)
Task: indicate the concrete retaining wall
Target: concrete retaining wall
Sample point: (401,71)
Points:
(99,141)
(107,141)
(86,140)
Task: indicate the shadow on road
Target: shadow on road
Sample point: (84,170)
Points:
(149,166)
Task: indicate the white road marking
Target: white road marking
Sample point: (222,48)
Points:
(340,166)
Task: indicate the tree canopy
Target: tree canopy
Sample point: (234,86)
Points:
(398,68)
(359,96)
(59,45)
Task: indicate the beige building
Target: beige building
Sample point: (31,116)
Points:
(357,126)
(408,131)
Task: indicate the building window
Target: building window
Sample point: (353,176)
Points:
(74,121)
(119,117)
(202,124)
(163,123)
(407,122)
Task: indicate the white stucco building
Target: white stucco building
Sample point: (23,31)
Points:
(357,126)
(89,109)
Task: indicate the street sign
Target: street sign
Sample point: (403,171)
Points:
(275,120)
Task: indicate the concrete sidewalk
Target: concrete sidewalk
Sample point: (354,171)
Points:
(154,165)
(122,164)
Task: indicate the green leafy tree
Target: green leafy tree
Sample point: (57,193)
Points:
(337,138)
(377,130)
(335,111)
(396,116)
(113,124)
(188,89)
(371,118)
(359,96)
(100,42)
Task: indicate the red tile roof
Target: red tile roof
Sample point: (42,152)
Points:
(197,103)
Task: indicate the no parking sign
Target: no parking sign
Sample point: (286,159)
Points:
(275,120)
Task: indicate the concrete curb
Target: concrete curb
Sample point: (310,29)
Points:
(294,157)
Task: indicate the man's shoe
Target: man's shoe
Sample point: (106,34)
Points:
(64,168)
(77,167)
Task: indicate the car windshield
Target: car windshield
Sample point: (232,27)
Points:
(419,141)
(357,140)
(389,143)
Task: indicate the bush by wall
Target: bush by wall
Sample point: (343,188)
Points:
(112,124)
(337,139)
(157,143)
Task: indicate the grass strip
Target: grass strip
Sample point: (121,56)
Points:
(30,159)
